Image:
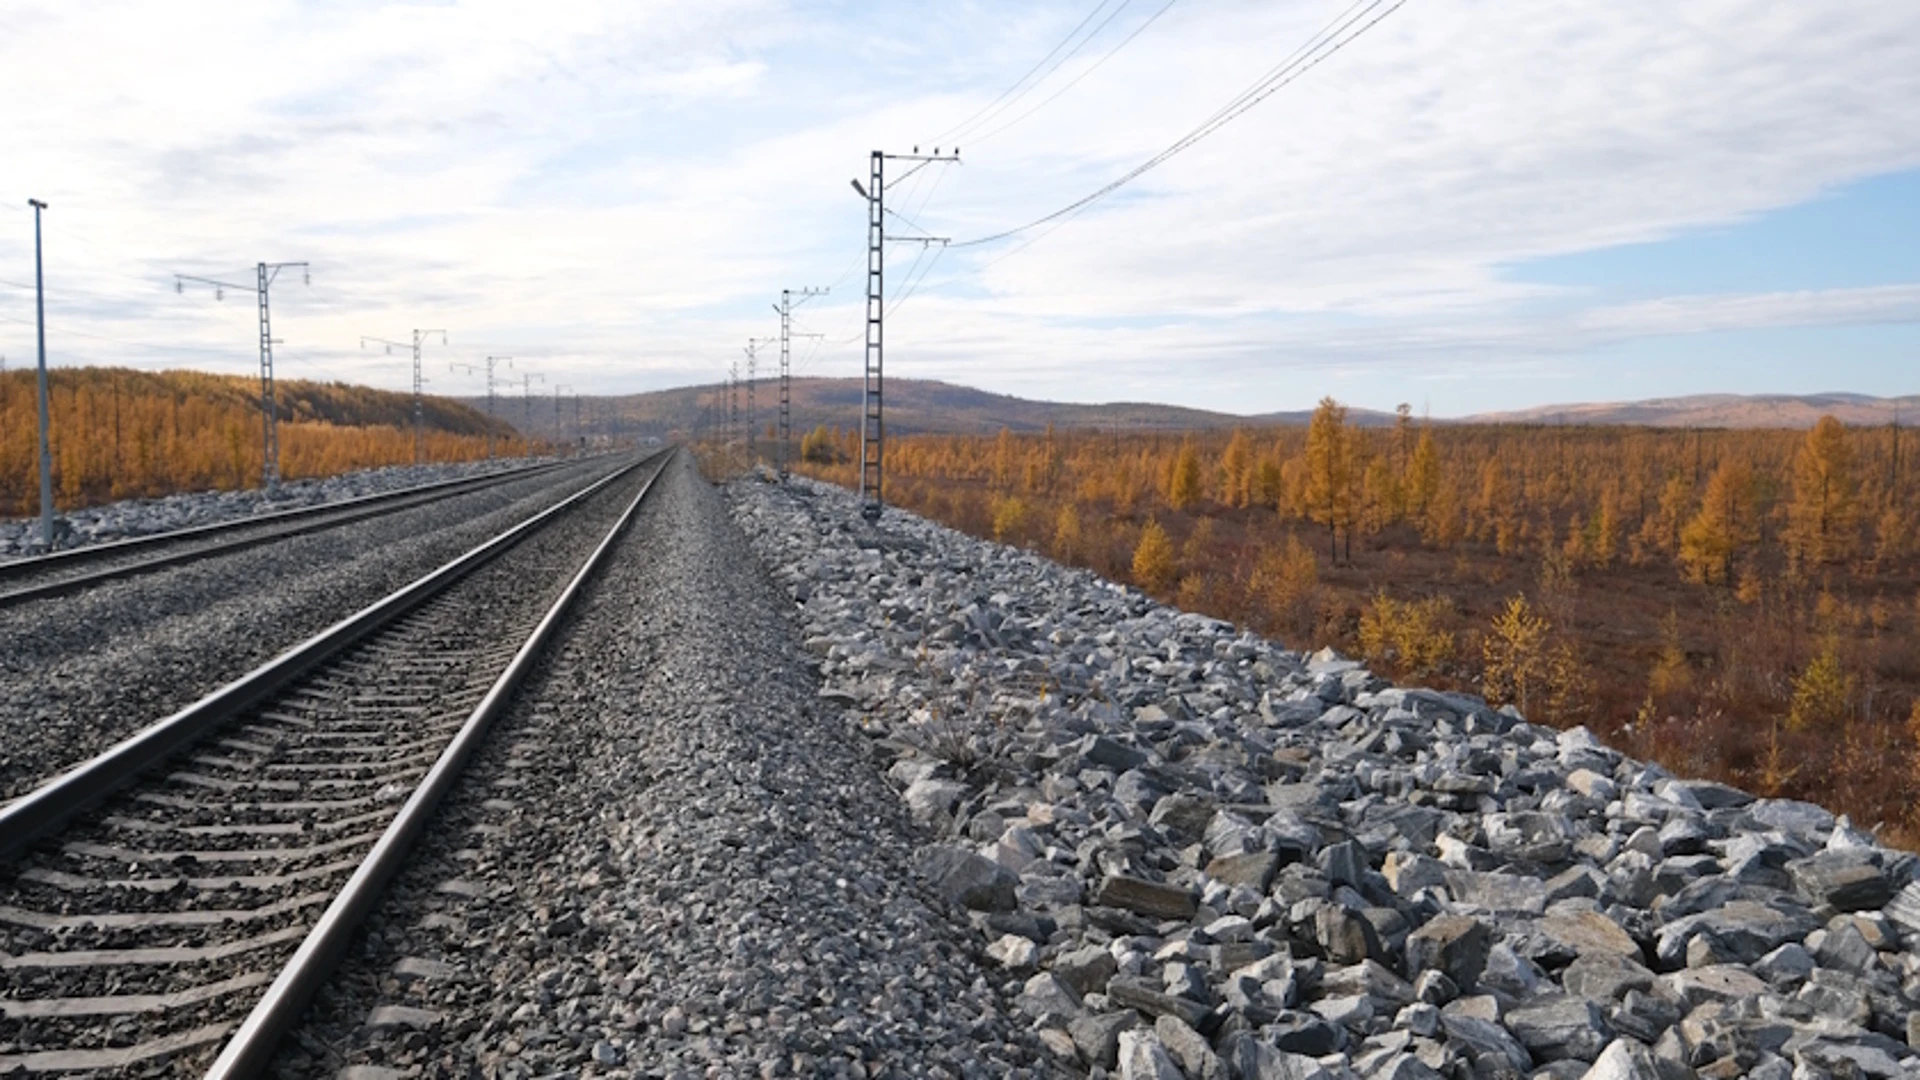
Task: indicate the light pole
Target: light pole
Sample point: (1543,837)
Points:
(40,317)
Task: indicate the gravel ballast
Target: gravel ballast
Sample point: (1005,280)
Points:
(144,517)
(1188,852)
(671,859)
(80,672)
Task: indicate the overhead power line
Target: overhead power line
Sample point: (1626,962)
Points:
(1075,81)
(1361,16)
(1015,92)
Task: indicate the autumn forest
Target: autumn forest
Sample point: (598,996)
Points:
(116,433)
(1738,604)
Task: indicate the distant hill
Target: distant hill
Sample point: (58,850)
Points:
(916,406)
(1722,411)
(913,406)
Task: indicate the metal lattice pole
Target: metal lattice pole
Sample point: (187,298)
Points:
(419,381)
(270,469)
(785,308)
(873,427)
(786,376)
(872,424)
(526,405)
(265,273)
(40,323)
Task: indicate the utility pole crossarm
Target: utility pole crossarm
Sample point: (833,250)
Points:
(419,381)
(264,275)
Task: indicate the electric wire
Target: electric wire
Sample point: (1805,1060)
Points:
(1302,60)
(975,140)
(995,105)
(913,285)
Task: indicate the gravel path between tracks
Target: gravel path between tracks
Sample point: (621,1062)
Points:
(79,673)
(671,859)
(143,517)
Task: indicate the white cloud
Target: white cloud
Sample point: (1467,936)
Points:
(618,189)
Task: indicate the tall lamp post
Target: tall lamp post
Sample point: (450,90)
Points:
(40,315)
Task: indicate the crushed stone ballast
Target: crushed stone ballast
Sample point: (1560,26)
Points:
(1192,852)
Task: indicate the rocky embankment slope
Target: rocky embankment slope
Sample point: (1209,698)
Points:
(1191,852)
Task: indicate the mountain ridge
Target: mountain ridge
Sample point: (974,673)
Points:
(926,406)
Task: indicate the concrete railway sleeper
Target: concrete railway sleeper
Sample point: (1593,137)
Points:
(63,572)
(199,908)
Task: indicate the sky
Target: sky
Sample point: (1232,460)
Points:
(1469,206)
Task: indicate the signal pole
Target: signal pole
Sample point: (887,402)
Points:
(418,412)
(491,361)
(872,418)
(265,275)
(785,308)
(40,322)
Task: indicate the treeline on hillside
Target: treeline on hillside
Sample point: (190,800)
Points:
(117,433)
(1735,603)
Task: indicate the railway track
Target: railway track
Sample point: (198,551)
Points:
(189,889)
(62,572)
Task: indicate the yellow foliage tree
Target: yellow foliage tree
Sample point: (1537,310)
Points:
(1183,479)
(1068,542)
(1009,516)
(1822,525)
(1823,692)
(1237,470)
(1286,582)
(1153,564)
(1407,634)
(1329,486)
(1725,526)
(1516,656)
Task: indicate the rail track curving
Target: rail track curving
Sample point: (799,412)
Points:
(58,573)
(189,889)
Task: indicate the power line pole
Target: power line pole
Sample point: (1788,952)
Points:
(491,361)
(261,289)
(419,412)
(753,346)
(872,417)
(40,323)
(526,405)
(785,308)
(733,401)
(558,430)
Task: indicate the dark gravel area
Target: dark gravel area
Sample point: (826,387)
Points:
(78,673)
(673,858)
(331,740)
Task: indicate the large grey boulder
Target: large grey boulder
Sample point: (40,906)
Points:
(967,879)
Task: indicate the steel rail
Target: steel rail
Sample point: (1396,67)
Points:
(41,811)
(252,1046)
(18,568)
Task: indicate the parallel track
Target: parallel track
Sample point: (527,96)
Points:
(138,934)
(62,572)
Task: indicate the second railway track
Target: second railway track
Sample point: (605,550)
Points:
(62,572)
(140,934)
